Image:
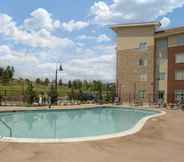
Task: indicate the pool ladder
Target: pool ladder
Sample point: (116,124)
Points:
(7,126)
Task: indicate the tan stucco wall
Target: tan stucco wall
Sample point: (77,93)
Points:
(128,69)
(129,38)
(128,73)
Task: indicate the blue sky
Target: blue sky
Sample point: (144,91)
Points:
(36,35)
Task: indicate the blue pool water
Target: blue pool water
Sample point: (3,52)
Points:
(53,124)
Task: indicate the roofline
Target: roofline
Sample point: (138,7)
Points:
(152,23)
(169,32)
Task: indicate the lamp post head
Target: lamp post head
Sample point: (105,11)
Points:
(60,68)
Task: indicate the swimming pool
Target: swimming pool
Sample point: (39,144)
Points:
(71,125)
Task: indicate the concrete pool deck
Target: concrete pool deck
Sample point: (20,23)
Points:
(161,140)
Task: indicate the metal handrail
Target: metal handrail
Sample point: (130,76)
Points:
(7,126)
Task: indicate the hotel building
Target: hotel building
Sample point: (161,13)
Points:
(150,63)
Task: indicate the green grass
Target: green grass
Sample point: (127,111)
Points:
(15,89)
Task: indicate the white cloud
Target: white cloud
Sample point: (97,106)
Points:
(41,38)
(11,57)
(98,66)
(97,63)
(103,38)
(100,39)
(165,22)
(120,11)
(86,37)
(74,25)
(41,19)
(101,12)
(45,48)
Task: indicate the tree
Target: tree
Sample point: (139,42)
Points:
(30,93)
(98,87)
(1,99)
(5,77)
(110,90)
(71,94)
(1,72)
(52,93)
(7,74)
(85,84)
(38,81)
(60,82)
(69,84)
(27,81)
(46,81)
(11,72)
(77,84)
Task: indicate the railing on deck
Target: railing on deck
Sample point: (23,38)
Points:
(7,126)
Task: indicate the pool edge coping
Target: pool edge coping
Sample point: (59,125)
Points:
(137,128)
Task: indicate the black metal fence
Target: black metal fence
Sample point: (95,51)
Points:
(18,97)
(11,97)
(151,99)
(21,98)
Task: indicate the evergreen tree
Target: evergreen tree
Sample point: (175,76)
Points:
(69,84)
(6,75)
(46,81)
(60,82)
(1,72)
(38,81)
(30,93)
(53,94)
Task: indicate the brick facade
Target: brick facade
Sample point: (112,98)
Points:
(172,67)
(156,78)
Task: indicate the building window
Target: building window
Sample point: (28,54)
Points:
(179,75)
(179,95)
(161,50)
(143,45)
(142,62)
(162,44)
(143,77)
(162,76)
(180,58)
(161,95)
(141,94)
(180,40)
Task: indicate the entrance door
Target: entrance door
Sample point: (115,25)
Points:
(161,96)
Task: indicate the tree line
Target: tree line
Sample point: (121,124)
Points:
(6,74)
(91,90)
(80,90)
(77,90)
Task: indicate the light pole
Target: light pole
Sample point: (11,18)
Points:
(56,77)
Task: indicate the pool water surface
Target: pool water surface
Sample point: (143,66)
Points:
(75,123)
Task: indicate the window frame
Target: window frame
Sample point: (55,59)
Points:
(162,74)
(143,45)
(180,40)
(141,94)
(180,75)
(180,93)
(162,44)
(143,77)
(141,62)
(178,60)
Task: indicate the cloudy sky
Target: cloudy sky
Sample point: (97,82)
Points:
(35,35)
